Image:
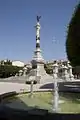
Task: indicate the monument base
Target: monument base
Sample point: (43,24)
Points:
(40,74)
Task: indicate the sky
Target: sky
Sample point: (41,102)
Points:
(17,32)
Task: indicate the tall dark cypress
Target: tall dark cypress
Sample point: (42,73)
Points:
(73,38)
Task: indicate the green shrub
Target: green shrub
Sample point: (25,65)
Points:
(8,70)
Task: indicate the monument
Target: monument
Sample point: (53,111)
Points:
(38,72)
(37,60)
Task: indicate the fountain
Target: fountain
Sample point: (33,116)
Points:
(56,95)
(31,89)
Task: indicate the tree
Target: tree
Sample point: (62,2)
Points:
(2,62)
(48,69)
(8,62)
(8,70)
(73,38)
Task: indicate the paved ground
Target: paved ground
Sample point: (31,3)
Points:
(20,79)
(63,86)
(8,87)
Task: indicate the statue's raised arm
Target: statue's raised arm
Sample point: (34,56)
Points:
(38,18)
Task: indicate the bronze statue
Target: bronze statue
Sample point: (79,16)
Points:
(38,18)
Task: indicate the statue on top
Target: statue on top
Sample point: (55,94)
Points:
(38,18)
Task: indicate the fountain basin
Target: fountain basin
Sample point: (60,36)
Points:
(68,102)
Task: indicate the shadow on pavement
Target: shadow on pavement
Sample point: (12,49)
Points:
(64,86)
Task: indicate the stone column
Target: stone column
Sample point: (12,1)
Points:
(65,74)
(24,71)
(71,76)
(38,55)
(20,72)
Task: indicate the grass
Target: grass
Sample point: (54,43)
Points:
(43,100)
